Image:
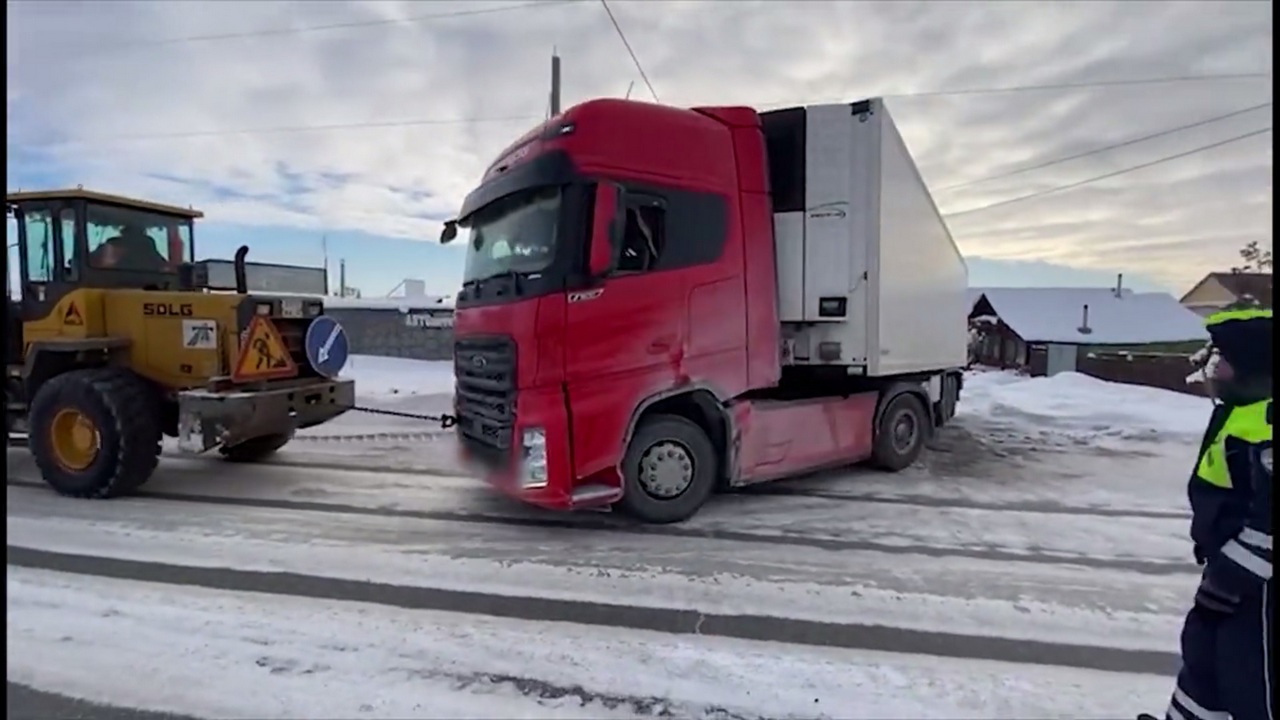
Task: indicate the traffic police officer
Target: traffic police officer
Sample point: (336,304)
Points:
(1226,668)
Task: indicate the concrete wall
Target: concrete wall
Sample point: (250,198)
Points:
(396,331)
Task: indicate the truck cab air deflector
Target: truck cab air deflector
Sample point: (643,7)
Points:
(548,169)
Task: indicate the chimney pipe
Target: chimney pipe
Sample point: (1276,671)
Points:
(1084,323)
(1120,285)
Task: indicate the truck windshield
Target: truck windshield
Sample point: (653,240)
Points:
(514,234)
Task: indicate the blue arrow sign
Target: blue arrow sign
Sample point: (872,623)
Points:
(327,346)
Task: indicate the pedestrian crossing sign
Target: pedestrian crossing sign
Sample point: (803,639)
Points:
(263,354)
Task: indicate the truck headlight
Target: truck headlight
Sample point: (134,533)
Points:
(533,460)
(263,309)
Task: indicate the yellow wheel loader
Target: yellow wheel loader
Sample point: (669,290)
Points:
(117,340)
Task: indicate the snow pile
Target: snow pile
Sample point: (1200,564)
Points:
(1081,409)
(385,377)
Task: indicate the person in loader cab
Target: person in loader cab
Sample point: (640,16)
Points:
(132,249)
(1226,669)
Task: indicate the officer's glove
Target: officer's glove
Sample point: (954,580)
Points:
(1213,598)
(1198,552)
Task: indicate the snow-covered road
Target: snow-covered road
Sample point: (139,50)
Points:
(1008,576)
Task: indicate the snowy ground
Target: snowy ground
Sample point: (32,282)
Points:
(1034,565)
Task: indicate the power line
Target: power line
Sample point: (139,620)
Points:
(525,118)
(1043,87)
(296,128)
(353,25)
(1107,148)
(635,60)
(1083,85)
(1108,176)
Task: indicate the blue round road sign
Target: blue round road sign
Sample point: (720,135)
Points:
(327,347)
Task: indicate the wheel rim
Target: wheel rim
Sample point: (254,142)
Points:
(666,470)
(904,431)
(75,440)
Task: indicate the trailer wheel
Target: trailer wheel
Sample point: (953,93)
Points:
(669,470)
(256,449)
(901,433)
(94,433)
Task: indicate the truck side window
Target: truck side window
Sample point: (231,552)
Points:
(687,228)
(644,238)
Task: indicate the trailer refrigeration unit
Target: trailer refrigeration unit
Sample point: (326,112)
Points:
(660,302)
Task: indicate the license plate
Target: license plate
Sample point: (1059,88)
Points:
(291,308)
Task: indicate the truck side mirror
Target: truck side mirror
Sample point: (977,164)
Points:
(606,237)
(449,232)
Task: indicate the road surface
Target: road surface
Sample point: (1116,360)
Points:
(1084,569)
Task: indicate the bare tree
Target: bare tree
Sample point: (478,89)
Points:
(1256,260)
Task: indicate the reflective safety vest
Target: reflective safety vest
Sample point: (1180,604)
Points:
(1223,316)
(1246,423)
(1242,565)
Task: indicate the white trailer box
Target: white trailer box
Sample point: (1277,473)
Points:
(868,275)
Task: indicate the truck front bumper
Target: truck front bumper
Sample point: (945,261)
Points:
(537,469)
(210,418)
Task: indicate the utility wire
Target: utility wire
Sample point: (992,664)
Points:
(1042,87)
(354,25)
(1108,176)
(1107,148)
(524,118)
(294,129)
(635,60)
(1211,77)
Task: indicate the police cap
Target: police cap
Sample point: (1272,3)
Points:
(1243,338)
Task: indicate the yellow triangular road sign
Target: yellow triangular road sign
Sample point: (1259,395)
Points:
(263,354)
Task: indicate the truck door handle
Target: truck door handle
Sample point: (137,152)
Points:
(662,344)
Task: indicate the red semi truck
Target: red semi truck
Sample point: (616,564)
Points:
(662,302)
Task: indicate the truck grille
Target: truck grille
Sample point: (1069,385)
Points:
(485,394)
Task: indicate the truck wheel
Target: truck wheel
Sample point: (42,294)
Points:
(669,470)
(94,432)
(900,434)
(256,449)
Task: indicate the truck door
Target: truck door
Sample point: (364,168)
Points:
(625,336)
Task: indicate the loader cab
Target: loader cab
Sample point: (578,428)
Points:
(70,239)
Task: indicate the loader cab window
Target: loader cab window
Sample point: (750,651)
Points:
(38,225)
(645,235)
(130,239)
(67,221)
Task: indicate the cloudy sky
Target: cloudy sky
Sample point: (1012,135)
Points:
(369,121)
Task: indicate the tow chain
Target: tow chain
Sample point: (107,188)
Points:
(446,421)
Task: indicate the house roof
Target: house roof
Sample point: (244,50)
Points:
(1252,285)
(1256,286)
(1056,314)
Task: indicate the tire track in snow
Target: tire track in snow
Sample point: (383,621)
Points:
(665,620)
(603,522)
(1027,506)
(774,490)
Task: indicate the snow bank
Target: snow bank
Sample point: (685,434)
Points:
(383,377)
(1082,408)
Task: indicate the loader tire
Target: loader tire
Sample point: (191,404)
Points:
(255,449)
(901,433)
(669,470)
(94,433)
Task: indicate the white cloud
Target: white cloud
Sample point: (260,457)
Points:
(87,79)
